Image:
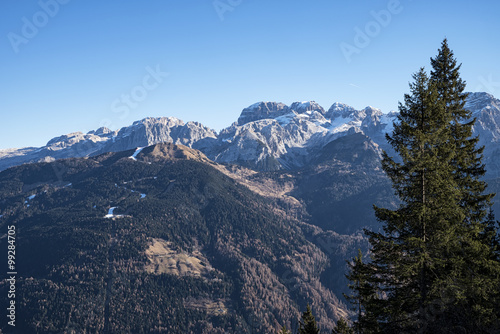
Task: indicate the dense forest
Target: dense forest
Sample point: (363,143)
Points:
(163,243)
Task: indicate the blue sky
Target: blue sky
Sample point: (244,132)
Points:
(74,65)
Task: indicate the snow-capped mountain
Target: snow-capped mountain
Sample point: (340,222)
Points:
(142,133)
(271,135)
(262,110)
(267,135)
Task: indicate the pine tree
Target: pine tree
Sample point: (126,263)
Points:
(363,294)
(342,328)
(492,234)
(434,262)
(308,323)
(408,252)
(477,272)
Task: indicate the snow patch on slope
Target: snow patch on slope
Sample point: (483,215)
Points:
(137,151)
(111,213)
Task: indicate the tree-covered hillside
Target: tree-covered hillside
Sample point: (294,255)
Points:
(159,243)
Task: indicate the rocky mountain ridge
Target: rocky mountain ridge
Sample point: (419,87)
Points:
(266,136)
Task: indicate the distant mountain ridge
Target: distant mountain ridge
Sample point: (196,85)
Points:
(142,133)
(266,136)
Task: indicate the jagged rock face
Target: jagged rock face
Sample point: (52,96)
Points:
(372,123)
(290,140)
(341,110)
(272,110)
(142,133)
(307,107)
(151,131)
(486,109)
(248,144)
(262,110)
(272,144)
(101,131)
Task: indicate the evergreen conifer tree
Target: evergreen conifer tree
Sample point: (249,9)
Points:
(434,267)
(363,294)
(308,323)
(476,273)
(342,328)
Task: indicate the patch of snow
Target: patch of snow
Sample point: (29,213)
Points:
(137,151)
(1,216)
(285,119)
(68,185)
(111,213)
(341,128)
(341,124)
(31,197)
(143,196)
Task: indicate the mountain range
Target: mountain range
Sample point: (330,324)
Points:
(267,135)
(235,231)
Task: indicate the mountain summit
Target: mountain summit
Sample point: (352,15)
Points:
(267,135)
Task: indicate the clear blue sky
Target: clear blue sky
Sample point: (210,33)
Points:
(74,71)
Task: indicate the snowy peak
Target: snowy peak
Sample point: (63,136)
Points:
(141,133)
(151,131)
(273,110)
(75,138)
(273,136)
(341,110)
(152,121)
(307,107)
(372,111)
(370,115)
(478,101)
(101,131)
(262,110)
